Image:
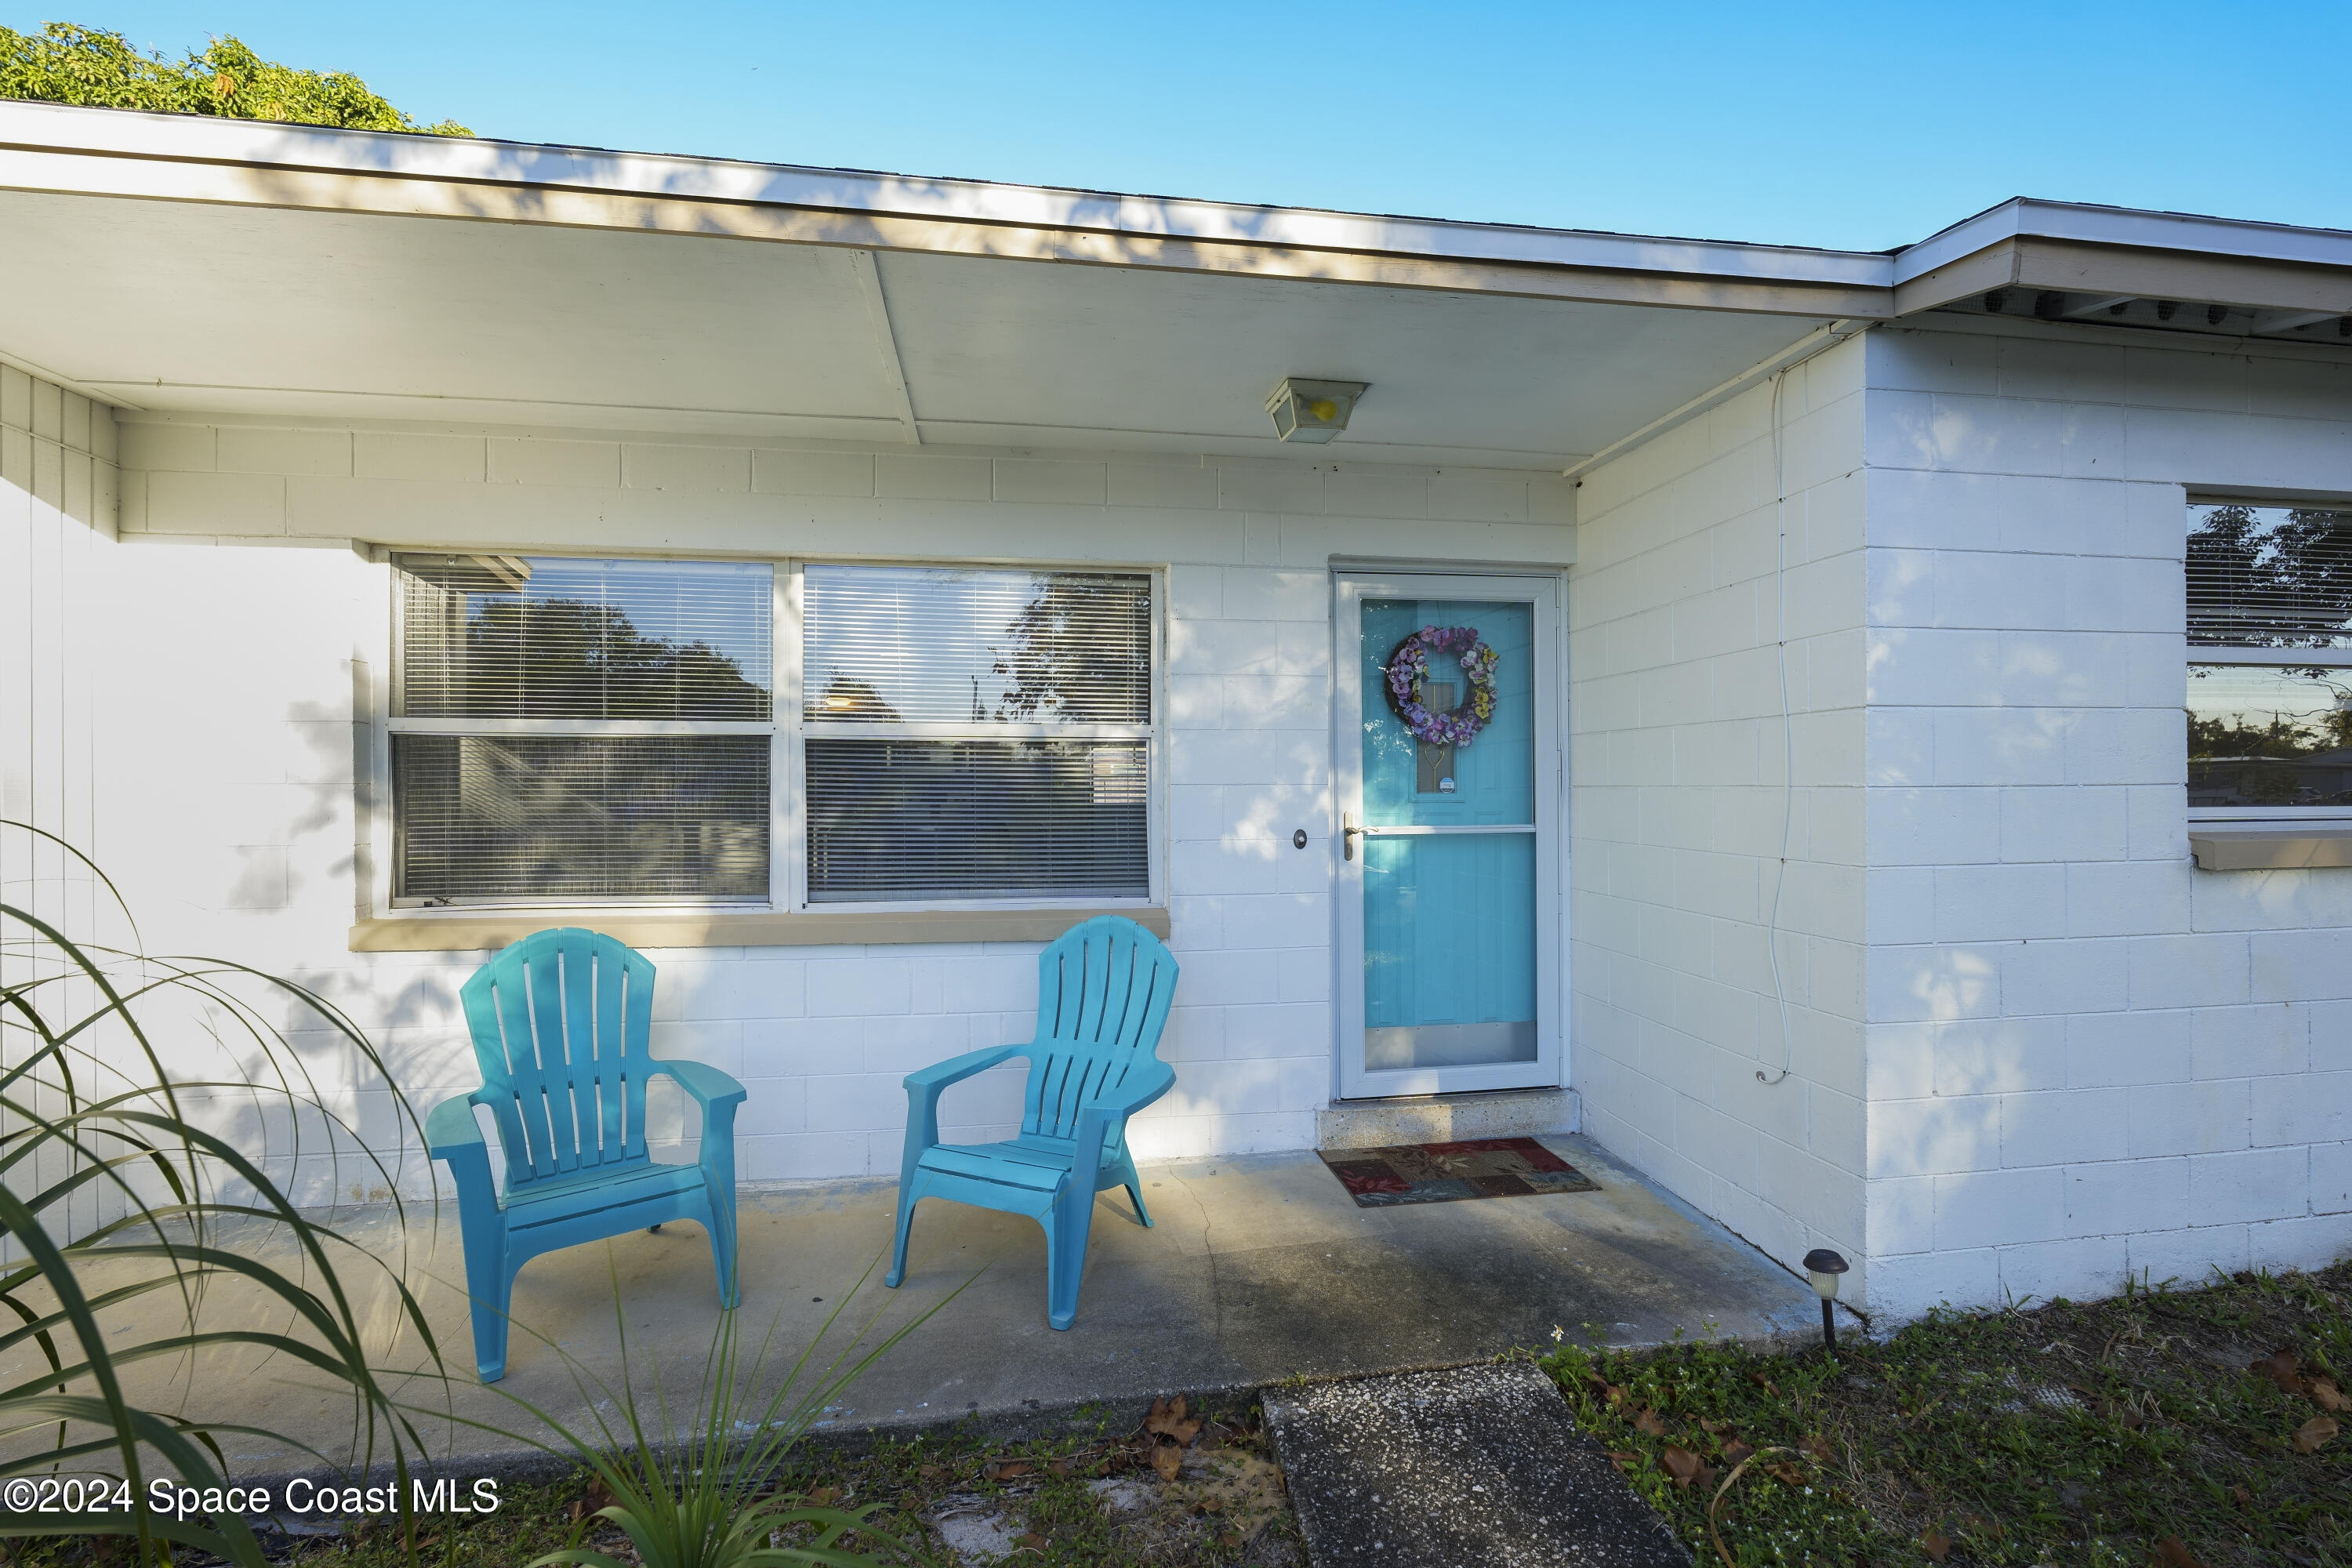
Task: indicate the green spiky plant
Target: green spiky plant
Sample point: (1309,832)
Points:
(95,1121)
(704,1491)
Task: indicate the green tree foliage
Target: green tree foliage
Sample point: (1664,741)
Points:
(90,66)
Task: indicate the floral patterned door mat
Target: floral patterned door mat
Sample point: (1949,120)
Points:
(1447,1173)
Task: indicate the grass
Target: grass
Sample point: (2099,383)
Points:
(1224,1511)
(2129,1431)
(2124,1431)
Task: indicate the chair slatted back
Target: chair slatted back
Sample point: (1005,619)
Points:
(561,1022)
(1103,990)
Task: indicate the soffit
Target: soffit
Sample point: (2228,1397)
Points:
(282,312)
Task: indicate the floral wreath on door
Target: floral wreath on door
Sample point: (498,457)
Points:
(1407,671)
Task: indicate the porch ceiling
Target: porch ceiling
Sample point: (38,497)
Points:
(176,306)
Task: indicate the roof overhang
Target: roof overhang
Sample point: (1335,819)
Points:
(2098,258)
(181,264)
(189,264)
(43,147)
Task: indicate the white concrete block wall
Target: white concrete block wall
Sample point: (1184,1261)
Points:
(58,484)
(2088,1059)
(58,488)
(249,621)
(1675,760)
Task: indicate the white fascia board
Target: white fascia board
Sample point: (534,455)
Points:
(202,139)
(2023,217)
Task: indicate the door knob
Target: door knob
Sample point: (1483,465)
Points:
(1348,834)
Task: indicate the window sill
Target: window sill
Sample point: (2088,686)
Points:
(2271,846)
(474,931)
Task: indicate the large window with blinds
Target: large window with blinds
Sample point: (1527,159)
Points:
(2270,660)
(600,731)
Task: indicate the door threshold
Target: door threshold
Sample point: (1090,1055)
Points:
(1446,1118)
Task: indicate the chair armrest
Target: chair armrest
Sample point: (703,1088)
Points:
(1106,1116)
(955,1069)
(1136,1093)
(924,1087)
(451,1133)
(451,1130)
(707,1084)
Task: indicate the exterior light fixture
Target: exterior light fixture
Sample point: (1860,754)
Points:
(1822,1268)
(1312,410)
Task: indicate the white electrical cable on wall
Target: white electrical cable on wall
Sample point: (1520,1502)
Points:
(1788,745)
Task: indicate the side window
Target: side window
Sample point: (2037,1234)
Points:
(2270,660)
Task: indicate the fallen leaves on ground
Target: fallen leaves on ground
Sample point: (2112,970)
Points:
(1005,1470)
(1168,1420)
(1686,1467)
(1936,1545)
(2279,1367)
(2316,1434)
(1817,1449)
(2173,1552)
(600,1496)
(1650,1423)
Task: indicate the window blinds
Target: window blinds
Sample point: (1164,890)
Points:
(509,638)
(944,758)
(587,816)
(912,819)
(927,645)
(2269,577)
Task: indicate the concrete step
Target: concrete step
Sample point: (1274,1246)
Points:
(1477,1466)
(1444,1118)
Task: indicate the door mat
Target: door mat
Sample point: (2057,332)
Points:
(1448,1173)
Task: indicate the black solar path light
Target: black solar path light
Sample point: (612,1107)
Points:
(1822,1268)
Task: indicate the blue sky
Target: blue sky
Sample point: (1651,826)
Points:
(1858,125)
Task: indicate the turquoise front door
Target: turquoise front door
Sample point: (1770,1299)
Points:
(1449,785)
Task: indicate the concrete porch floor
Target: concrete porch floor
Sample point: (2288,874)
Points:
(1259,1268)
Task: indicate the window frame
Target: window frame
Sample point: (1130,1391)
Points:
(2318,817)
(789,730)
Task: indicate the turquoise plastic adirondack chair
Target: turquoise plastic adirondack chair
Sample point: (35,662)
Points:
(1103,990)
(560,1022)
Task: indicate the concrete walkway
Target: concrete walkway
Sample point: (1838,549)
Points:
(1477,1467)
(1260,1268)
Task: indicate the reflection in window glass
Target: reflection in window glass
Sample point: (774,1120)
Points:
(938,645)
(511,636)
(2260,735)
(2270,576)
